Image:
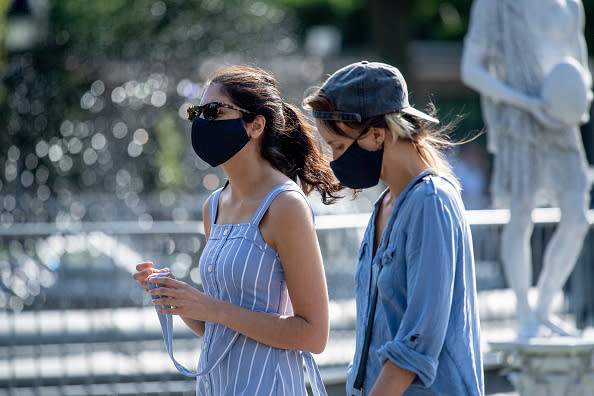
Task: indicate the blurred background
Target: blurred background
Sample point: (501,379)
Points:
(96,173)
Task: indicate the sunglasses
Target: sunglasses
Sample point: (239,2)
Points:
(212,110)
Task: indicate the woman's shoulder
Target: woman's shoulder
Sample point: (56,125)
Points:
(434,185)
(289,203)
(287,219)
(435,191)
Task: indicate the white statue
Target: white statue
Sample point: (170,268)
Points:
(528,60)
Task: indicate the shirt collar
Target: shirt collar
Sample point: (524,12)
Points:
(406,189)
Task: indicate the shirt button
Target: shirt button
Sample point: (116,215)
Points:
(204,345)
(387,257)
(206,384)
(210,268)
(225,232)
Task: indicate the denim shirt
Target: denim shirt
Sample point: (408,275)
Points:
(426,318)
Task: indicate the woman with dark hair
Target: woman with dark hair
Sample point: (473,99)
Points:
(265,302)
(417,328)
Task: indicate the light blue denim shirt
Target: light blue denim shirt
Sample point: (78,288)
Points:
(426,318)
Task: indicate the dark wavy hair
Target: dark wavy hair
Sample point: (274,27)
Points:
(288,141)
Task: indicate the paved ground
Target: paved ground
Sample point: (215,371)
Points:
(105,352)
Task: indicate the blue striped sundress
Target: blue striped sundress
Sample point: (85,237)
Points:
(238,266)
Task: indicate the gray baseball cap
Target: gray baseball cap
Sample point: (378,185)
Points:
(367,89)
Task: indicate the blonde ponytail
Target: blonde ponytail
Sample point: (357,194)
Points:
(429,143)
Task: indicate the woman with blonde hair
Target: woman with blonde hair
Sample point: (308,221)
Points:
(417,329)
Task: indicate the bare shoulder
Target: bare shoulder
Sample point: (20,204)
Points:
(290,206)
(287,221)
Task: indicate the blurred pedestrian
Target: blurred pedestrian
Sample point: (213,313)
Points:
(264,308)
(417,329)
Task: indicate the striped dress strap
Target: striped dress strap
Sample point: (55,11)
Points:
(290,186)
(213,204)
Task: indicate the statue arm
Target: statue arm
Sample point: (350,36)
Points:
(582,50)
(475,74)
(584,61)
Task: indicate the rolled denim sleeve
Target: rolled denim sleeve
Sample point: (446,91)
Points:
(430,271)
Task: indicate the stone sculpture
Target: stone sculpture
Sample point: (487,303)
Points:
(528,61)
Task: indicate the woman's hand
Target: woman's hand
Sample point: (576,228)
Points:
(143,272)
(183,299)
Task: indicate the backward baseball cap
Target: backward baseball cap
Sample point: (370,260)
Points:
(367,89)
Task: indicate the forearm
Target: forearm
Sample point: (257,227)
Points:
(393,380)
(583,53)
(284,332)
(475,74)
(197,326)
(487,85)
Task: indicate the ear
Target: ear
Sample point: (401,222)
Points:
(255,128)
(379,136)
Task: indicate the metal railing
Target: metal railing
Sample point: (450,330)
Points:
(73,322)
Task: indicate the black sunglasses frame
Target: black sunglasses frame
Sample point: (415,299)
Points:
(208,109)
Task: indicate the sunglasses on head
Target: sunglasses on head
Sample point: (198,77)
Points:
(212,110)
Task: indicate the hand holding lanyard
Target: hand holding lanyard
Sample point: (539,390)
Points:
(167,326)
(166,321)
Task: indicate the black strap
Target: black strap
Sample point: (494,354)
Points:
(358,384)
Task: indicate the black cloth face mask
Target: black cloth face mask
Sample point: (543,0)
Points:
(216,142)
(358,168)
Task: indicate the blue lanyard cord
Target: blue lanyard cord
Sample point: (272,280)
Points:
(358,384)
(315,380)
(167,329)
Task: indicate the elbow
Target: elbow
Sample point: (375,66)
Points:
(313,332)
(318,346)
(466,73)
(469,70)
(317,341)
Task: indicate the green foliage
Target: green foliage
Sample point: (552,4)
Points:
(448,20)
(4,5)
(161,29)
(84,139)
(338,6)
(170,152)
(431,19)
(349,16)
(441,20)
(124,44)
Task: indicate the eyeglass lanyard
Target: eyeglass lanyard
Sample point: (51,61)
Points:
(167,329)
(362,368)
(358,384)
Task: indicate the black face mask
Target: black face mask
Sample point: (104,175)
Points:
(216,142)
(357,167)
